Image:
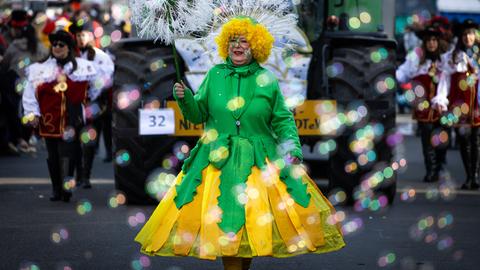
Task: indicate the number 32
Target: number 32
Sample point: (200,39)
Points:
(156,120)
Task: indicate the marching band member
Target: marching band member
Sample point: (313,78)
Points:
(105,68)
(457,94)
(53,100)
(423,67)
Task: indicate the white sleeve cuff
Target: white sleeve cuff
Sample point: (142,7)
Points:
(440,100)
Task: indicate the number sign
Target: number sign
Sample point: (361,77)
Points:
(157,121)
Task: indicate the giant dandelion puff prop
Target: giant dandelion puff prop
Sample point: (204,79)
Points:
(166,20)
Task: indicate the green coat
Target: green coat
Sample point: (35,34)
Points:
(246,122)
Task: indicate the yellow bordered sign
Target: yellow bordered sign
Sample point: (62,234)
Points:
(182,126)
(310,117)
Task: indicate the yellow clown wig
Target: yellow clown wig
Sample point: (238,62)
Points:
(257,35)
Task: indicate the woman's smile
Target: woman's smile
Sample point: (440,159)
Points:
(238,52)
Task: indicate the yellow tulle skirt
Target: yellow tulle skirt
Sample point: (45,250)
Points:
(274,224)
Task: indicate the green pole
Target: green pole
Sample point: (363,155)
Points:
(174,49)
(177,65)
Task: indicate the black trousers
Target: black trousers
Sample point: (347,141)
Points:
(61,161)
(469,142)
(86,152)
(85,155)
(104,125)
(434,156)
(107,131)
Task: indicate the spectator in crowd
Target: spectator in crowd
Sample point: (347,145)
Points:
(84,17)
(445,28)
(24,50)
(43,26)
(126,28)
(410,39)
(3,45)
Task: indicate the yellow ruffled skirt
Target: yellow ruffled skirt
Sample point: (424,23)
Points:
(274,224)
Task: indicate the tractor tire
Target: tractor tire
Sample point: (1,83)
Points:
(363,69)
(148,67)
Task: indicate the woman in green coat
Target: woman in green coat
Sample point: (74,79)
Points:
(242,192)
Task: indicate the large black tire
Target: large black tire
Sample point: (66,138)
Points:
(133,67)
(358,83)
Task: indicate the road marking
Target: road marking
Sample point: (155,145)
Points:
(45,181)
(455,191)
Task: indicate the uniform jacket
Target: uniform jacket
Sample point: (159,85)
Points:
(426,75)
(57,95)
(104,66)
(458,88)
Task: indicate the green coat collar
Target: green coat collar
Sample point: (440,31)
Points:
(242,71)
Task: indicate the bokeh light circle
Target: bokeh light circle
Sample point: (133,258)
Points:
(116,199)
(84,207)
(88,135)
(136,218)
(122,158)
(159,182)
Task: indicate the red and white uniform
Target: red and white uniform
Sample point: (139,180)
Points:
(51,89)
(104,66)
(425,75)
(458,88)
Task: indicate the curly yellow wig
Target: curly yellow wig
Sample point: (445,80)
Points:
(257,35)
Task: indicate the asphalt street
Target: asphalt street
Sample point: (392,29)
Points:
(430,226)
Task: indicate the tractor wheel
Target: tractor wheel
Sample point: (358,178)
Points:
(362,74)
(146,67)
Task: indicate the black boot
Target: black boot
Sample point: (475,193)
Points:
(78,165)
(441,157)
(474,185)
(432,174)
(66,166)
(78,174)
(84,176)
(86,183)
(475,160)
(56,178)
(429,154)
(466,154)
(88,157)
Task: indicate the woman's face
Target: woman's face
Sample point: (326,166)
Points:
(468,38)
(59,50)
(431,44)
(239,51)
(83,38)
